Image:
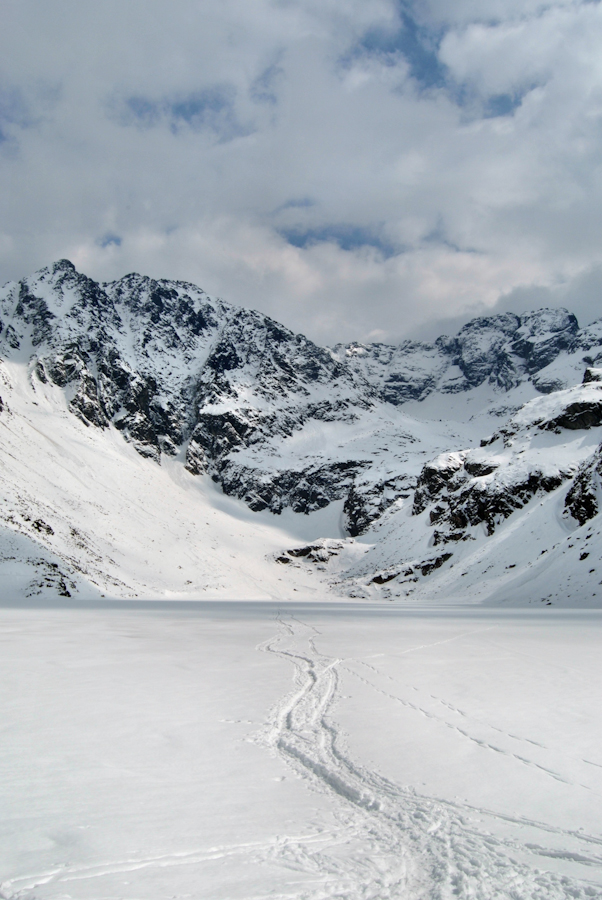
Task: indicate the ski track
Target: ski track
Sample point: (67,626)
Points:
(389,841)
(24,885)
(413,846)
(481,743)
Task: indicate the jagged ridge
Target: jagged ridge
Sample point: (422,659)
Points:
(181,373)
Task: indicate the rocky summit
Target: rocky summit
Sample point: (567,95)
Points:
(428,466)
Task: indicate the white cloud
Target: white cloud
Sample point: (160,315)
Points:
(190,140)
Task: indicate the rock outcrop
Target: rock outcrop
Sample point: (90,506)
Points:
(501,350)
(241,398)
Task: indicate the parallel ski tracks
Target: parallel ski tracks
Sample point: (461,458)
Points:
(402,845)
(386,842)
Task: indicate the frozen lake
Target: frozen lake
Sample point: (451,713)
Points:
(252,750)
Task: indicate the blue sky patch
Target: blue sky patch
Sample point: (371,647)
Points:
(419,46)
(209,109)
(502,105)
(348,237)
(13,111)
(296,203)
(263,89)
(142,110)
(200,109)
(416,44)
(439,235)
(110,240)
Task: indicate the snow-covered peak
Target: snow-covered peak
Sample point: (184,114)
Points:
(504,351)
(175,370)
(385,443)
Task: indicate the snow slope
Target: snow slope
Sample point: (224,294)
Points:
(159,446)
(84,514)
(514,521)
(158,442)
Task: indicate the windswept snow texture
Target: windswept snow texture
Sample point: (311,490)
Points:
(241,751)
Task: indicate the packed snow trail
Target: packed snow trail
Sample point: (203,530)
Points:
(128,772)
(393,842)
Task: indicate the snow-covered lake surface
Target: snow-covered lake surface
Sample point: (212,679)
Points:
(249,750)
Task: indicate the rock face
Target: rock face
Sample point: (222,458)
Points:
(448,468)
(582,502)
(173,369)
(470,492)
(275,419)
(501,350)
(482,516)
(486,485)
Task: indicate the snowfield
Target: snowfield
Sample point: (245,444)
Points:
(85,514)
(228,750)
(283,621)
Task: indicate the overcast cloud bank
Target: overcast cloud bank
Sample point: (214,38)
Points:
(358,170)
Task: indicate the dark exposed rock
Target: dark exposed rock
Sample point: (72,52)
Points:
(422,567)
(196,460)
(318,554)
(170,368)
(582,414)
(302,551)
(430,565)
(489,504)
(582,501)
(383,578)
(34,311)
(40,526)
(86,403)
(434,479)
(460,495)
(542,335)
(247,349)
(441,537)
(220,433)
(547,385)
(41,372)
(481,350)
(305,491)
(63,265)
(479,469)
(368,500)
(592,374)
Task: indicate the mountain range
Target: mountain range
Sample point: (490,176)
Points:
(158,442)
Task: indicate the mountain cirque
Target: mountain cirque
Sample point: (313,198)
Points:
(219,454)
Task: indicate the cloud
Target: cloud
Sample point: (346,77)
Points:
(13,111)
(349,166)
(415,44)
(265,271)
(23,107)
(264,87)
(210,109)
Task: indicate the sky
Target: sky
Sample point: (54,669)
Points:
(357,169)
